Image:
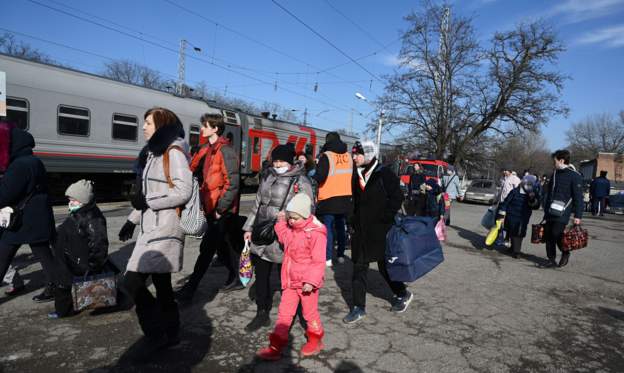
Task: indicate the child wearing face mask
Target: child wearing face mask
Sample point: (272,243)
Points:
(517,209)
(303,268)
(81,244)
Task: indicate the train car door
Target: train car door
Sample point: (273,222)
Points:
(233,131)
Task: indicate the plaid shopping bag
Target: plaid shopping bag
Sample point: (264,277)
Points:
(97,291)
(575,238)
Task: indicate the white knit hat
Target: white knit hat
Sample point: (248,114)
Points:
(300,204)
(81,190)
(370,150)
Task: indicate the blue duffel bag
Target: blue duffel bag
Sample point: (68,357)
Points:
(412,248)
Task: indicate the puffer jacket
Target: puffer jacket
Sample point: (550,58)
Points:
(217,169)
(271,193)
(304,253)
(83,239)
(517,209)
(160,242)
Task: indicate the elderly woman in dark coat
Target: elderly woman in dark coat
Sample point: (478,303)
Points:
(25,187)
(517,209)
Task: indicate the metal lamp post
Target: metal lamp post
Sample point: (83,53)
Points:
(360,96)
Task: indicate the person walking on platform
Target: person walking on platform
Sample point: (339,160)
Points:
(302,273)
(517,209)
(377,197)
(81,244)
(167,183)
(600,189)
(216,167)
(278,185)
(564,197)
(333,175)
(24,187)
(450,186)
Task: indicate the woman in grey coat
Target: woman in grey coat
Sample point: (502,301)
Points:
(158,250)
(278,185)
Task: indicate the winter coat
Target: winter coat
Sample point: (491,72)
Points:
(450,185)
(217,168)
(508,184)
(83,238)
(24,176)
(565,185)
(373,213)
(517,209)
(335,205)
(304,253)
(600,187)
(271,193)
(160,242)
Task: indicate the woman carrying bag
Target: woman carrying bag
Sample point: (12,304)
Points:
(158,249)
(279,183)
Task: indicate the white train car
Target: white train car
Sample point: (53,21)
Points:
(88,126)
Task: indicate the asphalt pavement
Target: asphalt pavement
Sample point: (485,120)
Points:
(479,311)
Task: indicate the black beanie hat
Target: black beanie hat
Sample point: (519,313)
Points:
(283,153)
(332,137)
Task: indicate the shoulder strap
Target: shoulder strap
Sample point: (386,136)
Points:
(166,163)
(292,181)
(168,172)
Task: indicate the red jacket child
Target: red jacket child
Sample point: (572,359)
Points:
(304,239)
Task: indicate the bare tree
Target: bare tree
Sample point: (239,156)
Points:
(596,133)
(13,47)
(131,72)
(525,151)
(450,92)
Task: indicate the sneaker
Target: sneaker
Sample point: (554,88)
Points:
(47,295)
(53,315)
(232,286)
(355,315)
(15,290)
(550,264)
(341,260)
(328,263)
(564,259)
(400,304)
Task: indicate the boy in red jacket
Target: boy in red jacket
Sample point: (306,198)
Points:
(304,239)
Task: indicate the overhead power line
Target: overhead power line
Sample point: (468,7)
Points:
(326,40)
(363,30)
(172,50)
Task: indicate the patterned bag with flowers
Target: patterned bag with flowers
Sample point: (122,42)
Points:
(575,238)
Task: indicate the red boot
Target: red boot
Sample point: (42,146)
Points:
(274,351)
(314,344)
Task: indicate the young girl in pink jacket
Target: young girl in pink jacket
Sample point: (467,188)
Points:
(303,268)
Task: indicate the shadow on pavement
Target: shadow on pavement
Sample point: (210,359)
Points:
(347,367)
(376,285)
(616,314)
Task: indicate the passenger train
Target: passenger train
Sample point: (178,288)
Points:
(88,126)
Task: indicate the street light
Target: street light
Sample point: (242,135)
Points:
(360,96)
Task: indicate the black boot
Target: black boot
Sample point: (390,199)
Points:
(232,285)
(186,292)
(564,259)
(47,295)
(63,303)
(260,320)
(552,263)
(172,324)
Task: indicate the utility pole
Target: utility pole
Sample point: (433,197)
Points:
(181,67)
(381,114)
(351,122)
(305,116)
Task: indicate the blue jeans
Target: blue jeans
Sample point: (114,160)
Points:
(336,221)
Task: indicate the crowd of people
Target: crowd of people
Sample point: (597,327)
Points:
(304,211)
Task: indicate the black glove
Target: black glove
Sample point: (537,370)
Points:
(126,232)
(138,201)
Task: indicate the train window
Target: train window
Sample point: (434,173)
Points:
(17,112)
(230,117)
(73,121)
(256,145)
(125,127)
(194,135)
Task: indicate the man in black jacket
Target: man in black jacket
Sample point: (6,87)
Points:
(333,175)
(564,196)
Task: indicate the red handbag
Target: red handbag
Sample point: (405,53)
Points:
(575,238)
(537,233)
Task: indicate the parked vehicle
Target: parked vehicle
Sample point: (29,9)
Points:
(481,190)
(616,204)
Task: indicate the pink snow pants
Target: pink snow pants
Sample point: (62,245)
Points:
(288,308)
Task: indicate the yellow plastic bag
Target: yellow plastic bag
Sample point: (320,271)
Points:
(491,237)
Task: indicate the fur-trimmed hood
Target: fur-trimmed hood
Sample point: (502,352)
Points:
(22,144)
(163,137)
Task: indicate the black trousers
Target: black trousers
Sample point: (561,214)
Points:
(516,244)
(264,293)
(359,284)
(42,252)
(553,233)
(220,239)
(157,316)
